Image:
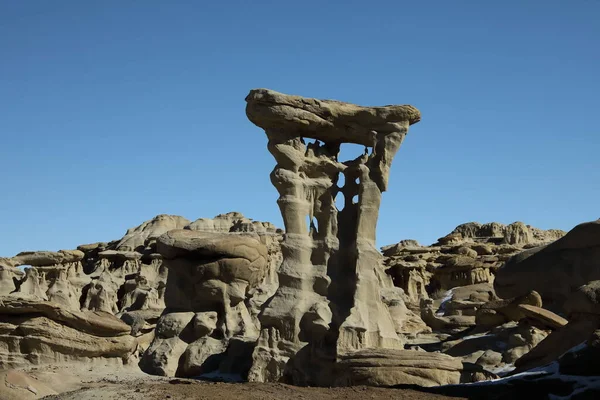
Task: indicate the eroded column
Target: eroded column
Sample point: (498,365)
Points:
(328,301)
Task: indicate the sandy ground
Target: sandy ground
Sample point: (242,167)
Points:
(112,383)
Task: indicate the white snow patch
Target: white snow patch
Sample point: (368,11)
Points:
(478,336)
(447,297)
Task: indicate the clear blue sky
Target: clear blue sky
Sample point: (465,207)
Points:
(115,111)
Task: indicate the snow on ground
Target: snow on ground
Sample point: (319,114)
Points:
(447,297)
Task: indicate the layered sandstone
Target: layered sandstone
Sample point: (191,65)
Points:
(329,299)
(469,255)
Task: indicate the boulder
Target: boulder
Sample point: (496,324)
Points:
(379,367)
(95,323)
(41,332)
(542,316)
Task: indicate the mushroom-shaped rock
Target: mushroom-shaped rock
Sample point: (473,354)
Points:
(222,256)
(46,258)
(327,120)
(210,275)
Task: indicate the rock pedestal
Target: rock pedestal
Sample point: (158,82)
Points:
(329,297)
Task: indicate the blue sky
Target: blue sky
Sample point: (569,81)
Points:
(116,111)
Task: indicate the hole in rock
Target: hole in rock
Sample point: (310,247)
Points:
(357,180)
(315,225)
(350,151)
(355,199)
(308,223)
(340,201)
(341,180)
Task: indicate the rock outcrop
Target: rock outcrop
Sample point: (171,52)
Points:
(469,255)
(209,320)
(555,270)
(42,332)
(329,299)
(584,319)
(125,277)
(386,367)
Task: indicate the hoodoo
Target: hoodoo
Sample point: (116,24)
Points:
(329,300)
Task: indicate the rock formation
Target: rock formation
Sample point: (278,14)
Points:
(554,270)
(125,277)
(212,275)
(469,255)
(317,304)
(329,298)
(43,332)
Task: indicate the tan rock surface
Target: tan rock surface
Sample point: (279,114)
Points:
(554,270)
(379,367)
(331,275)
(92,322)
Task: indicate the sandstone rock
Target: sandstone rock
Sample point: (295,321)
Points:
(585,300)
(9,279)
(141,321)
(542,316)
(211,277)
(483,249)
(397,248)
(446,324)
(331,275)
(558,342)
(378,367)
(94,323)
(201,356)
(21,385)
(44,332)
(162,356)
(232,222)
(469,255)
(467,230)
(204,323)
(465,251)
(497,348)
(46,258)
(511,310)
(173,324)
(136,238)
(554,270)
(120,255)
(128,278)
(326,120)
(517,233)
